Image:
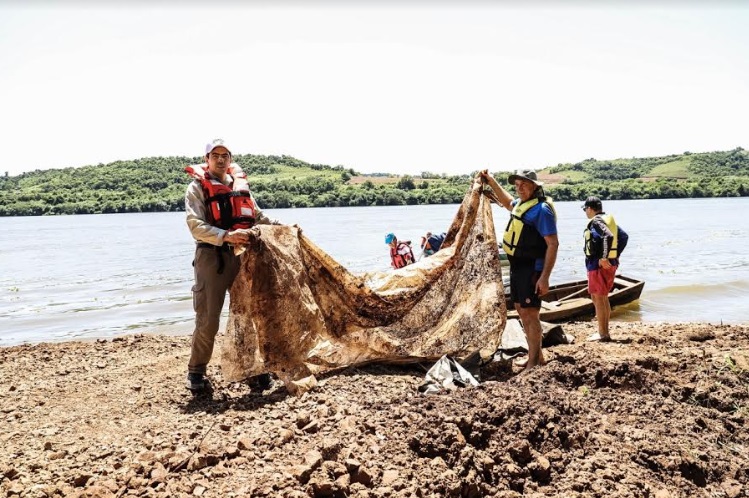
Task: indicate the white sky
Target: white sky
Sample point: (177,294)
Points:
(450,88)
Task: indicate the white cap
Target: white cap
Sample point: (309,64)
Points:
(216,143)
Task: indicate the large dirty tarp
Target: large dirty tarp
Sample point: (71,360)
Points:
(296,312)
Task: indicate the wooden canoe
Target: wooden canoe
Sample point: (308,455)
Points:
(571,300)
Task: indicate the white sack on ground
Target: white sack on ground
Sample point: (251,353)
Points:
(296,312)
(446,374)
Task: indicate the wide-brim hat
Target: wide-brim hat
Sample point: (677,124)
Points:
(527,174)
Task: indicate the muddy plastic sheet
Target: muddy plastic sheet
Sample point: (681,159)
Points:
(296,312)
(515,344)
(446,375)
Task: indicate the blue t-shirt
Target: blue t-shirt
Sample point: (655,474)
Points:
(541,217)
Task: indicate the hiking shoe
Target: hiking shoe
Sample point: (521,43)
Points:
(264,381)
(260,382)
(597,337)
(196,382)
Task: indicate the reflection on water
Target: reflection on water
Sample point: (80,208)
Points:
(631,312)
(723,303)
(103,275)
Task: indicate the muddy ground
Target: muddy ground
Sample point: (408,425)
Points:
(662,412)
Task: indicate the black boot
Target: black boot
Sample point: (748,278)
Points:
(260,382)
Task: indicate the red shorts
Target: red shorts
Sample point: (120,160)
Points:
(601,281)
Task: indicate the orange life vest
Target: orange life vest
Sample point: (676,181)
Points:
(229,207)
(400,260)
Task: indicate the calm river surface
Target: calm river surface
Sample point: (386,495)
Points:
(91,276)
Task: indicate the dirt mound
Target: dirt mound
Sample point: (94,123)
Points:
(661,412)
(551,178)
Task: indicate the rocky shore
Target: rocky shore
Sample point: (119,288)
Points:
(660,412)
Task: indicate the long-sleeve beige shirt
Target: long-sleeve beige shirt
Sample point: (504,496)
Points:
(197,218)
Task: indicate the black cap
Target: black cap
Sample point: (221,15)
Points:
(594,203)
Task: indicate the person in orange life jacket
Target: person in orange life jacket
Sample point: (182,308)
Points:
(531,244)
(400,252)
(604,241)
(215,264)
(431,243)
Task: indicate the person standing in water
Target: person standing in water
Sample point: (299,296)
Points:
(400,252)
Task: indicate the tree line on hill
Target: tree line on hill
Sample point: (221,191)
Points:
(709,174)
(158,184)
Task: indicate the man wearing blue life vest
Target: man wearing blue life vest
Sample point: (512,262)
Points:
(604,242)
(431,243)
(531,244)
(220,209)
(400,252)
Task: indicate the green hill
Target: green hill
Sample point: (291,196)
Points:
(708,174)
(158,183)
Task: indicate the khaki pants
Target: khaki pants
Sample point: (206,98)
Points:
(208,295)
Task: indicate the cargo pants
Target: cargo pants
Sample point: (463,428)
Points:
(208,295)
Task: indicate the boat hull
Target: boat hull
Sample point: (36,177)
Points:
(571,300)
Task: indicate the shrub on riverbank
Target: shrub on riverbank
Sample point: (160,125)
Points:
(158,184)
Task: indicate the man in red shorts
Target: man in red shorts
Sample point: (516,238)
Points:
(604,241)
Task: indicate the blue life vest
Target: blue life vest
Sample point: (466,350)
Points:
(435,241)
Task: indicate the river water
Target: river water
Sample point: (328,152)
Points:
(92,276)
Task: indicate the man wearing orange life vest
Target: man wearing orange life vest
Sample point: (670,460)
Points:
(218,204)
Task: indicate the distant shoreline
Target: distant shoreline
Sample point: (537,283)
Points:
(158,184)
